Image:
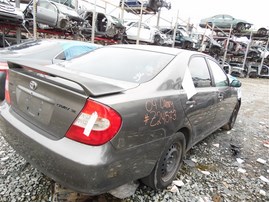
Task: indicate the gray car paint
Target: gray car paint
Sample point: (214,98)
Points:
(134,151)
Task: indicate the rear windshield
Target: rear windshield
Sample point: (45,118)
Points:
(123,64)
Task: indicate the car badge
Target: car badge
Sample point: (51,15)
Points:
(33,85)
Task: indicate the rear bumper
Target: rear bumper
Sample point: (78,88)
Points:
(88,169)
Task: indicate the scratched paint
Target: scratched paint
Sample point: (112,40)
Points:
(159,112)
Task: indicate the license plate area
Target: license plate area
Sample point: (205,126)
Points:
(34,105)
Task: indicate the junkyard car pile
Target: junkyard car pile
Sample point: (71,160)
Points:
(93,124)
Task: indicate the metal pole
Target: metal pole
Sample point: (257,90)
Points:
(122,11)
(18,30)
(158,19)
(226,47)
(105,7)
(76,5)
(34,19)
(175,31)
(260,67)
(246,53)
(139,24)
(93,23)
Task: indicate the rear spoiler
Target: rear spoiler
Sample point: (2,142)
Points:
(92,85)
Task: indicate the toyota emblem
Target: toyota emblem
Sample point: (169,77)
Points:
(33,85)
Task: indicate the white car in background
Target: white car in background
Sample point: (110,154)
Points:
(147,33)
(263,51)
(55,15)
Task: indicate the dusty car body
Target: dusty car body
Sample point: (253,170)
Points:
(207,44)
(105,25)
(263,52)
(262,72)
(149,6)
(239,49)
(225,21)
(182,39)
(9,13)
(93,124)
(237,70)
(55,15)
(148,34)
(42,52)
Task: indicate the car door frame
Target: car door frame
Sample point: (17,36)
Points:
(203,102)
(226,101)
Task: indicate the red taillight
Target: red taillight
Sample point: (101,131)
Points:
(3,66)
(7,95)
(95,125)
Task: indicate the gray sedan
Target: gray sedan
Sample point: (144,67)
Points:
(225,21)
(117,114)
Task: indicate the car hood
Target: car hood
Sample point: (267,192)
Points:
(92,85)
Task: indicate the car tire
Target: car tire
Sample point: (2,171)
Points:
(167,166)
(187,45)
(262,31)
(240,27)
(233,117)
(157,39)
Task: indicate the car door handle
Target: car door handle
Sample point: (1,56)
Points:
(190,102)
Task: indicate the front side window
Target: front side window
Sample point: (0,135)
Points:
(199,72)
(220,77)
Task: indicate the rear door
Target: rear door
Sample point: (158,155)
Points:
(225,99)
(201,108)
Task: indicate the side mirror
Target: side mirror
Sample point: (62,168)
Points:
(236,83)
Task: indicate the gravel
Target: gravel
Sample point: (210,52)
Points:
(224,167)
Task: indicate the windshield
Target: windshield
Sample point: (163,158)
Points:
(122,64)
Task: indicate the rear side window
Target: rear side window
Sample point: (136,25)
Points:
(199,72)
(123,64)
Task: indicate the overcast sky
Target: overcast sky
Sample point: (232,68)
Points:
(255,12)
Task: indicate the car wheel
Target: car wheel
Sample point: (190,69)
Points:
(214,50)
(63,24)
(240,27)
(233,117)
(167,166)
(157,39)
(262,31)
(187,45)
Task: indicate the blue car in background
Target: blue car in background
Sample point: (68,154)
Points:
(42,52)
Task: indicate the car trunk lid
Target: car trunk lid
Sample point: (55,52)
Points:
(51,99)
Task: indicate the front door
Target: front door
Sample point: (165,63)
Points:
(201,107)
(225,100)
